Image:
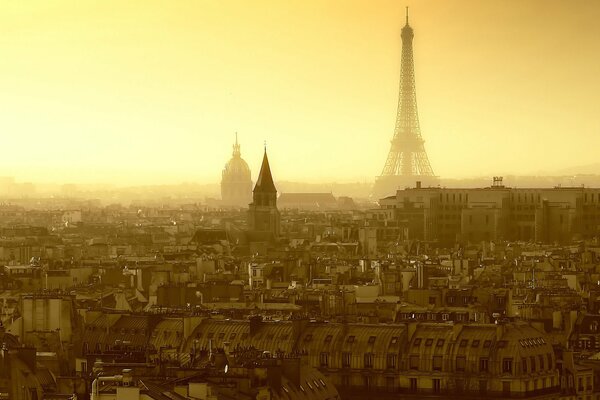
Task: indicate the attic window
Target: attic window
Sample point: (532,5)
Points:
(502,344)
(429,342)
(284,336)
(350,339)
(232,336)
(372,339)
(394,340)
(328,338)
(210,335)
(417,342)
(308,338)
(244,335)
(464,343)
(221,335)
(270,336)
(475,343)
(440,342)
(487,344)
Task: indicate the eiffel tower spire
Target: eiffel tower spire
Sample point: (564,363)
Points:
(407,160)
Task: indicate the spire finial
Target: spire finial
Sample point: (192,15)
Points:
(407,15)
(265,146)
(236,147)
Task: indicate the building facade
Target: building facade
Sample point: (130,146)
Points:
(447,215)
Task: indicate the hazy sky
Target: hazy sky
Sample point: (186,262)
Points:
(154,91)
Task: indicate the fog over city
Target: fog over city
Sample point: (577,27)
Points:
(152,92)
(299,200)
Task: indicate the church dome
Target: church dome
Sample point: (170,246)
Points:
(236,169)
(236,181)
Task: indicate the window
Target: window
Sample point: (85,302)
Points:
(484,365)
(308,338)
(394,340)
(464,343)
(414,362)
(460,385)
(461,362)
(440,342)
(221,335)
(436,384)
(507,365)
(541,358)
(368,360)
(413,384)
(391,360)
(428,342)
(324,359)
(501,344)
(346,380)
(232,336)
(350,339)
(482,387)
(550,361)
(524,364)
(346,358)
(487,344)
(532,359)
(437,363)
(210,335)
(506,388)
(475,343)
(328,338)
(417,342)
(390,383)
(372,339)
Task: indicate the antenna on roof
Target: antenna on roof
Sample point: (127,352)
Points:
(406,15)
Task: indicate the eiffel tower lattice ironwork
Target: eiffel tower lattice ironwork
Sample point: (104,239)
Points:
(407,157)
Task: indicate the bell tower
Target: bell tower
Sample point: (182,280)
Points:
(263,215)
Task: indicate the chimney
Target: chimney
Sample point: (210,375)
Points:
(28,356)
(418,184)
(127,377)
(290,368)
(255,323)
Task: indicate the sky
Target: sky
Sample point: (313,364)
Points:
(152,92)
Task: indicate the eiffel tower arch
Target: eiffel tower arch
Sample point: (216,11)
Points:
(407,161)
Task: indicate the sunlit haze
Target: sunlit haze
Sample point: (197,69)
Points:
(146,92)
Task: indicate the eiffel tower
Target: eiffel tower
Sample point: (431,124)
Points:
(407,161)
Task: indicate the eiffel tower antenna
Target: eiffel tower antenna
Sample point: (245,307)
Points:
(407,161)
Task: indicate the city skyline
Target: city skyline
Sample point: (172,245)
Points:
(152,93)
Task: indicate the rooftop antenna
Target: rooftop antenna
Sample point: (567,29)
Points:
(406,15)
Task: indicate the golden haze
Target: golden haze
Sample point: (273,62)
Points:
(153,91)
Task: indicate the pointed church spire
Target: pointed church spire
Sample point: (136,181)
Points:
(264,183)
